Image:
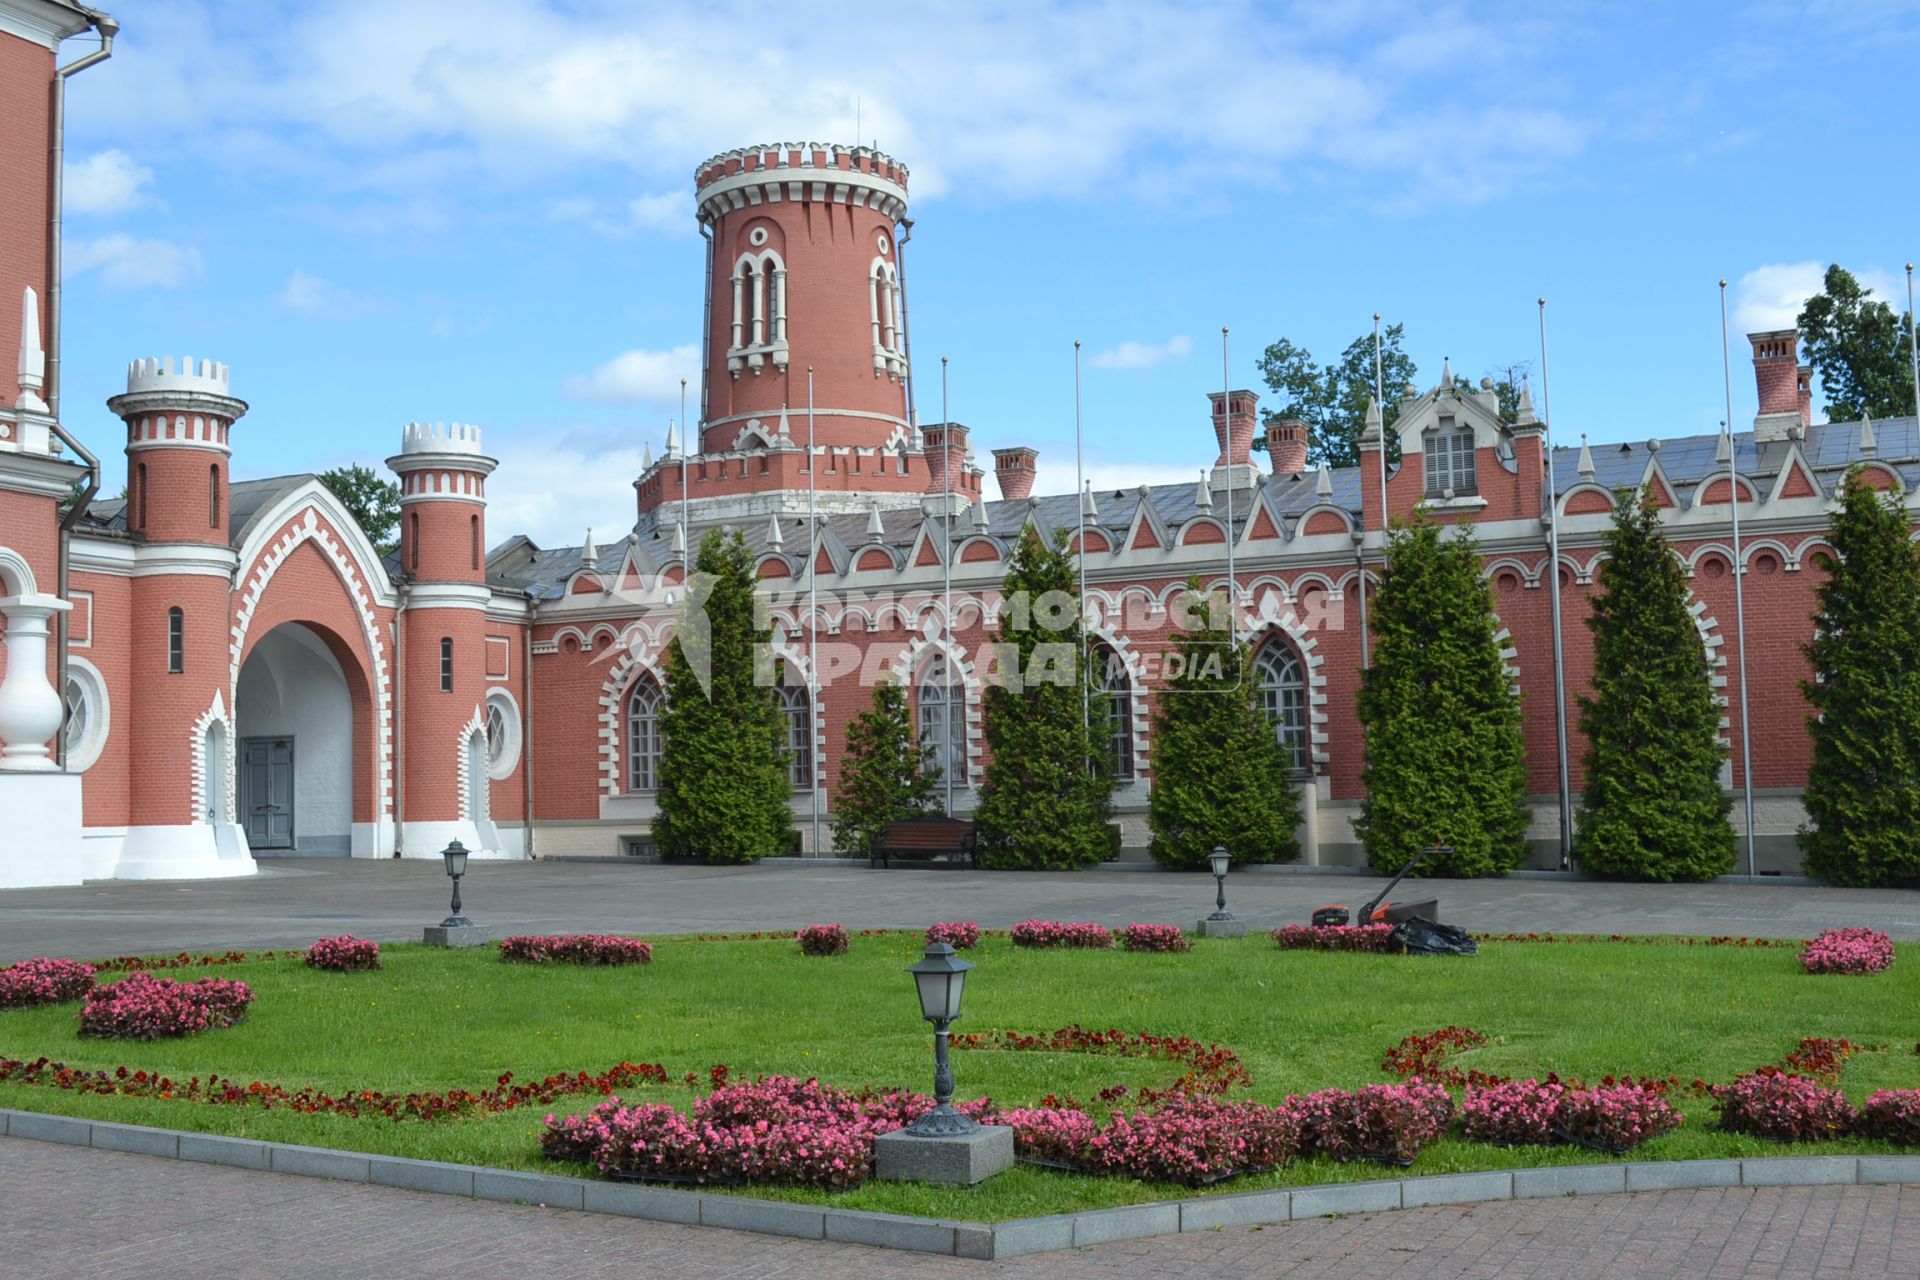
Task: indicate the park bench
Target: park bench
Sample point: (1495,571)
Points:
(929,840)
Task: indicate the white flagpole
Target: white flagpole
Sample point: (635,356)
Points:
(1080,524)
(1913,346)
(1739,594)
(1380,399)
(1226,422)
(686,446)
(946,560)
(813,626)
(1553,571)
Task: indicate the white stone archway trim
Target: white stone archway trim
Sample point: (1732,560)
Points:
(197,850)
(906,665)
(1286,624)
(640,657)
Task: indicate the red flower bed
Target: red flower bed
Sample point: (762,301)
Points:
(1212,1068)
(1154,937)
(1848,951)
(1426,1055)
(42,981)
(1820,1058)
(1055,933)
(345,954)
(1892,1115)
(1514,1113)
(575,948)
(823,940)
(1769,1103)
(1387,1122)
(961,935)
(1334,937)
(143,1007)
(1614,1116)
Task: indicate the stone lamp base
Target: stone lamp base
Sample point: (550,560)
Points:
(458,935)
(1221,928)
(967,1158)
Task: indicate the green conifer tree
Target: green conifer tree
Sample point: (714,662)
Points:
(885,776)
(1220,776)
(1653,808)
(1863,791)
(1048,789)
(1445,761)
(725,795)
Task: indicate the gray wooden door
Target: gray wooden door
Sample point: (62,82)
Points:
(266,792)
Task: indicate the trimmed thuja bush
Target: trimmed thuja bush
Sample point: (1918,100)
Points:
(1220,776)
(724,791)
(42,981)
(345,954)
(1848,951)
(575,948)
(887,774)
(1445,762)
(1652,808)
(1048,788)
(1863,789)
(143,1007)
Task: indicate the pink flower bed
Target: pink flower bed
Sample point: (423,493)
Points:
(41,981)
(143,1007)
(1193,1141)
(1892,1115)
(1786,1108)
(1334,937)
(961,935)
(1390,1122)
(575,948)
(823,940)
(1848,951)
(1614,1117)
(1513,1113)
(345,954)
(1154,937)
(1054,933)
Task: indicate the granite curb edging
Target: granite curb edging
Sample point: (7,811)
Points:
(1010,1239)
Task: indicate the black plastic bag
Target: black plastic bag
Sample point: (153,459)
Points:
(1426,938)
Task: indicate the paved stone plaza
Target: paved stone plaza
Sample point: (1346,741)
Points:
(293,901)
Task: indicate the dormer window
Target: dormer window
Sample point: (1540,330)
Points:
(1449,454)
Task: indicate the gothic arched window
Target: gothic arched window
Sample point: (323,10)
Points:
(1113,711)
(644,705)
(799,716)
(1279,680)
(943,719)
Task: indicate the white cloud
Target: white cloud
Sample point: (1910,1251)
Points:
(1772,296)
(126,263)
(554,493)
(1137,355)
(641,377)
(307,292)
(105,182)
(667,211)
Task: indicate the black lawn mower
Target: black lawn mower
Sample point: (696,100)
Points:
(1378,910)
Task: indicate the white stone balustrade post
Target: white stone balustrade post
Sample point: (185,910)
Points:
(30,707)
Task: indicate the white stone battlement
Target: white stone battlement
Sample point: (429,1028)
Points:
(799,155)
(159,374)
(440,437)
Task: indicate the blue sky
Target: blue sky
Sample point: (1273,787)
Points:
(384,210)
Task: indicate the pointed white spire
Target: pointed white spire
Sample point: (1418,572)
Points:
(785,432)
(33,359)
(980,516)
(680,540)
(1723,450)
(1446,373)
(1087,509)
(646,456)
(1586,459)
(1526,416)
(775,538)
(1323,484)
(1203,493)
(1374,427)
(589,557)
(1867,442)
(875,529)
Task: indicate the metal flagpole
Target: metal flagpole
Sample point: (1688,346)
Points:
(1553,570)
(1380,400)
(946,557)
(1080,525)
(685,575)
(813,623)
(1913,347)
(1226,439)
(1739,594)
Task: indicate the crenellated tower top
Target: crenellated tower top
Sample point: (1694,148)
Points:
(816,171)
(208,377)
(440,437)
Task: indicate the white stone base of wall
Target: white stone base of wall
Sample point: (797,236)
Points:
(42,844)
(482,840)
(195,851)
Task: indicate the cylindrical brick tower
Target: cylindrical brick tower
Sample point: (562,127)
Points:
(443,549)
(180,809)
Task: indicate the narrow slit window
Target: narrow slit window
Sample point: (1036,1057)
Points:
(446,664)
(176,642)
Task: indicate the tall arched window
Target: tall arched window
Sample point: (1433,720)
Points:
(213,496)
(943,719)
(140,497)
(413,540)
(799,715)
(176,641)
(475,550)
(446,664)
(1113,711)
(644,705)
(1282,687)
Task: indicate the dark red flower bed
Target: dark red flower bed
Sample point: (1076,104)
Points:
(823,940)
(1335,937)
(143,1007)
(1211,1068)
(575,948)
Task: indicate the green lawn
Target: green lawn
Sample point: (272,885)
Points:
(435,1019)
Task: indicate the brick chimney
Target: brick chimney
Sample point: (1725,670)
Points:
(1014,468)
(1233,429)
(1785,387)
(946,445)
(1287,446)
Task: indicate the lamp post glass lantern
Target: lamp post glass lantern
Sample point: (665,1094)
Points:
(1221,860)
(455,855)
(941,978)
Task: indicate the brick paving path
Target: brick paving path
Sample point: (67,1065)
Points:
(71,1212)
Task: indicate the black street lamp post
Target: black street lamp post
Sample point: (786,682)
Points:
(1221,860)
(941,977)
(455,855)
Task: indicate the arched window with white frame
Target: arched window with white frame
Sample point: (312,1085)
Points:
(1113,711)
(942,703)
(1280,682)
(797,710)
(645,702)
